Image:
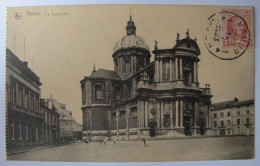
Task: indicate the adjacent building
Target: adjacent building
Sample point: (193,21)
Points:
(24,118)
(141,98)
(66,121)
(233,117)
(51,123)
(77,130)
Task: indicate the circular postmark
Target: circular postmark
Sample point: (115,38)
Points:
(227,35)
(17,15)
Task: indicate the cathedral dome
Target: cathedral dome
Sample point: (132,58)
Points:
(131,41)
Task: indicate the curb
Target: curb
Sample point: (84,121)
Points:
(39,148)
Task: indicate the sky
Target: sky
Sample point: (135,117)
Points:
(61,49)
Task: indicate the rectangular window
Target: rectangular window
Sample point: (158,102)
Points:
(222,114)
(247,112)
(215,115)
(67,125)
(98,91)
(238,112)
(247,105)
(247,121)
(113,116)
(215,123)
(222,123)
(228,114)
(122,114)
(238,121)
(133,111)
(228,122)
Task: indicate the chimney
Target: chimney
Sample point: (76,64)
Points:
(25,63)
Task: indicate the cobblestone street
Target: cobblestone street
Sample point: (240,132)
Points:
(221,148)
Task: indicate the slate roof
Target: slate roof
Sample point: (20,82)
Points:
(231,103)
(108,74)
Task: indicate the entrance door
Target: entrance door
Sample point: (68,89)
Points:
(152,131)
(187,125)
(222,132)
(152,126)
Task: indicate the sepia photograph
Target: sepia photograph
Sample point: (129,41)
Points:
(130,83)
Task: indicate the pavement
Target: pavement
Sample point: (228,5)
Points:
(31,148)
(216,148)
(39,147)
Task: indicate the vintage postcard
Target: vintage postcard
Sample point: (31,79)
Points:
(130,83)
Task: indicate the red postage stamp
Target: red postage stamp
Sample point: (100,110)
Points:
(237,27)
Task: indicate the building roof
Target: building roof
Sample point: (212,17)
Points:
(23,66)
(231,103)
(108,74)
(131,41)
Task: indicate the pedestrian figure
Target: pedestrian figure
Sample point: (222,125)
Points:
(104,141)
(114,140)
(100,141)
(144,140)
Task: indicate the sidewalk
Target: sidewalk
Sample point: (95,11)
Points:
(32,148)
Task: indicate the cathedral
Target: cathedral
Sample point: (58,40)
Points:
(140,98)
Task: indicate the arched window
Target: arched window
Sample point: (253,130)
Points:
(98,91)
(126,66)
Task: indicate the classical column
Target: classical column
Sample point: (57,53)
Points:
(171,113)
(194,72)
(171,70)
(176,68)
(132,63)
(143,114)
(17,93)
(181,112)
(157,70)
(208,110)
(158,113)
(146,114)
(197,71)
(127,116)
(196,113)
(162,117)
(121,60)
(181,70)
(176,113)
(117,114)
(161,66)
(23,104)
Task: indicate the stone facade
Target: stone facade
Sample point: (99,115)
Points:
(146,99)
(24,118)
(233,117)
(51,123)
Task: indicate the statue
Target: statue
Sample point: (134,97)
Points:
(155,46)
